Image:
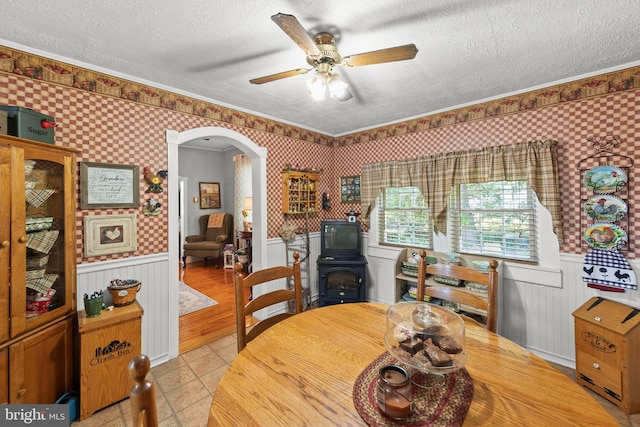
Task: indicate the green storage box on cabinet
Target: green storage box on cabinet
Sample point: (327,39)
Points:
(26,123)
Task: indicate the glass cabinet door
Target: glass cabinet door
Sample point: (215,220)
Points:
(45,228)
(41,235)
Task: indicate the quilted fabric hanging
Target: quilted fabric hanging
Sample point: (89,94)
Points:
(608,269)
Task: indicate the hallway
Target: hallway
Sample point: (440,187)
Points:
(212,323)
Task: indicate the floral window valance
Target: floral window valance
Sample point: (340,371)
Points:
(534,162)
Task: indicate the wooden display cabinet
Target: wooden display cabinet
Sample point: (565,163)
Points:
(42,364)
(607,335)
(300,192)
(37,254)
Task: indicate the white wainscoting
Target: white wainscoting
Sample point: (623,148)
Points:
(277,255)
(538,316)
(154,296)
(535,303)
(534,312)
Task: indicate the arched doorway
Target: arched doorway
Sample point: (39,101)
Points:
(258,157)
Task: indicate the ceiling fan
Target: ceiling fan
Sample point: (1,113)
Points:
(322,55)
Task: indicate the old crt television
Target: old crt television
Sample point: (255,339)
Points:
(340,239)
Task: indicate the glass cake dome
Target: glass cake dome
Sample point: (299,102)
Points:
(426,337)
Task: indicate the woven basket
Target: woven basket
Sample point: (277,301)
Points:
(6,64)
(184,108)
(553,97)
(51,76)
(476,113)
(101,87)
(507,108)
(409,269)
(124,295)
(151,100)
(213,114)
(600,89)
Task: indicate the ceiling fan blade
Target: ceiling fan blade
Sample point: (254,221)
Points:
(392,54)
(278,76)
(296,32)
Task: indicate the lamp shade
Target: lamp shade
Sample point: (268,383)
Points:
(248,204)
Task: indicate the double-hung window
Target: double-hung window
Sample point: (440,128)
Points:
(403,218)
(495,219)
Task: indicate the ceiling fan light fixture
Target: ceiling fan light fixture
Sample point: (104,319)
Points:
(337,88)
(317,87)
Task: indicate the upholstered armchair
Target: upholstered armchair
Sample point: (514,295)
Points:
(216,230)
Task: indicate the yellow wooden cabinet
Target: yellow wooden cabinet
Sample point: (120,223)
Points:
(300,192)
(607,335)
(37,269)
(108,342)
(41,365)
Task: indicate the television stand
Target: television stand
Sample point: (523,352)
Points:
(341,280)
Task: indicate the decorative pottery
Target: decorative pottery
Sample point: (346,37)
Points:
(605,236)
(93,306)
(605,179)
(605,208)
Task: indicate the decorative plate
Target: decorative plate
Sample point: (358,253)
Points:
(605,179)
(605,236)
(605,208)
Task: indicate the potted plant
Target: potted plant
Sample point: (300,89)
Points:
(243,255)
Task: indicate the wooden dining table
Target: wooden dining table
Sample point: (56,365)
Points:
(302,372)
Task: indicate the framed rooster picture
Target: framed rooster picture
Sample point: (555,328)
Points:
(110,234)
(105,185)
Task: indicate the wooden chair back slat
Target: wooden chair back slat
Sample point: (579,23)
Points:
(244,309)
(450,293)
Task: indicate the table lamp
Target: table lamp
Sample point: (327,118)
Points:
(247,209)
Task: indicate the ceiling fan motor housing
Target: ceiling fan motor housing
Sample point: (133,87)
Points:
(329,55)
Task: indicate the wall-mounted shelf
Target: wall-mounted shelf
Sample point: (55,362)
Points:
(300,192)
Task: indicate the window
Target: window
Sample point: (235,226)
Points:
(494,219)
(403,217)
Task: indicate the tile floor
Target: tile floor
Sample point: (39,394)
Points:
(185,387)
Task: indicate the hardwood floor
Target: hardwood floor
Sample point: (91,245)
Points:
(212,323)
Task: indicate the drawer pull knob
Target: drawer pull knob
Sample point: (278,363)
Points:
(598,318)
(596,365)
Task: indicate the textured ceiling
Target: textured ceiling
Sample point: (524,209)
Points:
(469,50)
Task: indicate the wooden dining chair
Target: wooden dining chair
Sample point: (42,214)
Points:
(142,396)
(242,283)
(458,295)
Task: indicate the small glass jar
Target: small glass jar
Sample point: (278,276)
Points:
(394,393)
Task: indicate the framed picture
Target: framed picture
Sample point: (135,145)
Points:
(350,189)
(109,234)
(209,195)
(104,185)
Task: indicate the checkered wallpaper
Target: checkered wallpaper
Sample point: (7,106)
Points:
(114,130)
(570,124)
